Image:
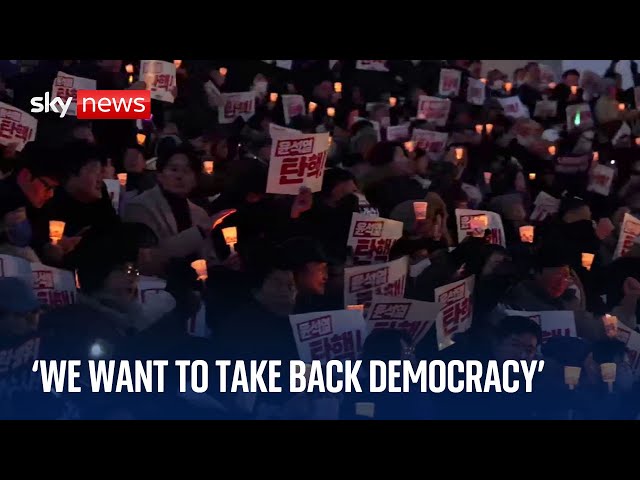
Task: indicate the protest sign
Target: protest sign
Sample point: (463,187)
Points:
(398,133)
(434,110)
(631,340)
(159,77)
(374,65)
(449,82)
(324,336)
(371,238)
(629,231)
(553,323)
(546,108)
(239,104)
(363,282)
(114,189)
(65,86)
(52,286)
(11,266)
(545,205)
(579,116)
(476,222)
(292,105)
(285,64)
(600,179)
(16,126)
(297,159)
(573,165)
(434,143)
(476,92)
(457,311)
(513,107)
(413,316)
(275,130)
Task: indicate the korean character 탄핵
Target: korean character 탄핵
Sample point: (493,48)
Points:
(453,315)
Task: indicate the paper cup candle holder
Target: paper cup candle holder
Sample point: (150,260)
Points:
(230,237)
(526,234)
(420,210)
(572,376)
(56,230)
(200,266)
(208,167)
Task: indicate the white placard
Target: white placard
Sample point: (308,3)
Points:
(11,266)
(373,65)
(434,110)
(545,205)
(600,179)
(457,310)
(434,143)
(449,84)
(239,104)
(398,133)
(631,340)
(573,165)
(292,105)
(553,323)
(371,238)
(475,222)
(286,64)
(513,107)
(52,286)
(160,78)
(114,189)
(16,126)
(65,86)
(629,231)
(476,92)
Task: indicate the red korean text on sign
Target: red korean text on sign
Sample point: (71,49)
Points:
(314,328)
(369,280)
(344,346)
(64,88)
(390,311)
(413,328)
(450,82)
(11,125)
(455,314)
(234,108)
(163,81)
(372,249)
(294,169)
(556,332)
(368,229)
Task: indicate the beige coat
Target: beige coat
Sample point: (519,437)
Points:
(152,209)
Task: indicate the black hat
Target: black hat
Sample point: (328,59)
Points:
(299,251)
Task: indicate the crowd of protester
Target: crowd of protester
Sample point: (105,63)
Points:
(292,250)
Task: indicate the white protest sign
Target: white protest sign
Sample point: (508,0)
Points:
(16,126)
(286,64)
(324,336)
(573,165)
(114,189)
(398,133)
(371,238)
(600,179)
(413,316)
(297,160)
(160,78)
(457,310)
(275,129)
(65,86)
(545,205)
(362,283)
(476,92)
(374,65)
(292,105)
(629,231)
(11,266)
(546,108)
(449,82)
(631,340)
(434,110)
(579,115)
(513,107)
(434,143)
(52,286)
(553,323)
(240,104)
(475,222)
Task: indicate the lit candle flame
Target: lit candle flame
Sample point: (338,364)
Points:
(122,178)
(312,107)
(337,87)
(273,97)
(200,266)
(574,90)
(141,137)
(129,68)
(223,71)
(393,101)
(56,230)
(508,86)
(489,127)
(331,112)
(552,149)
(532,176)
(208,167)
(479,129)
(177,63)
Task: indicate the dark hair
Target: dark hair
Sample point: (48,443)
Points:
(571,71)
(516,71)
(41,162)
(608,350)
(262,258)
(384,345)
(551,255)
(165,156)
(382,153)
(300,251)
(334,177)
(76,154)
(516,325)
(569,203)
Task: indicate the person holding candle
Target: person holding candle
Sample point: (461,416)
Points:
(530,92)
(564,94)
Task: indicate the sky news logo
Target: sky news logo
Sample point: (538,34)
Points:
(99,104)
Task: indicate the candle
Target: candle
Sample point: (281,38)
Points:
(393,101)
(200,266)
(488,127)
(596,156)
(508,86)
(608,372)
(526,234)
(177,63)
(479,222)
(483,80)
(587,260)
(208,167)
(129,69)
(479,129)
(312,107)
(223,71)
(230,237)
(331,112)
(574,90)
(552,85)
(141,137)
(487,177)
(56,230)
(552,149)
(130,79)
(572,376)
(459,153)
(122,178)
(532,176)
(621,106)
(420,210)
(337,87)
(638,141)
(409,146)
(359,308)
(273,97)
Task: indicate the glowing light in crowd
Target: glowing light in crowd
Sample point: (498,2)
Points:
(483,80)
(96,350)
(129,69)
(312,107)
(572,376)
(508,86)
(576,121)
(273,97)
(613,162)
(574,90)
(208,167)
(621,106)
(596,156)
(56,230)
(223,71)
(552,85)
(459,153)
(479,128)
(420,210)
(608,372)
(526,233)
(230,237)
(122,178)
(355,307)
(532,176)
(487,177)
(488,127)
(331,112)
(393,101)
(130,79)
(552,149)
(200,266)
(587,260)
(177,63)
(337,87)
(638,141)
(141,138)
(409,146)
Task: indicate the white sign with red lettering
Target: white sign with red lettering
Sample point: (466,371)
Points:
(371,238)
(579,116)
(475,223)
(449,82)
(600,179)
(11,266)
(297,160)
(434,143)
(240,104)
(476,92)
(374,65)
(571,165)
(52,286)
(434,110)
(160,78)
(115,190)
(65,86)
(545,205)
(631,340)
(553,323)
(362,283)
(293,105)
(398,133)
(324,336)
(457,311)
(286,64)
(629,231)
(513,107)
(16,126)
(393,313)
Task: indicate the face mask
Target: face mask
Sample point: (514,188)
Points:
(20,234)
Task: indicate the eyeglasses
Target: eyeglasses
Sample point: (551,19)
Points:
(49,187)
